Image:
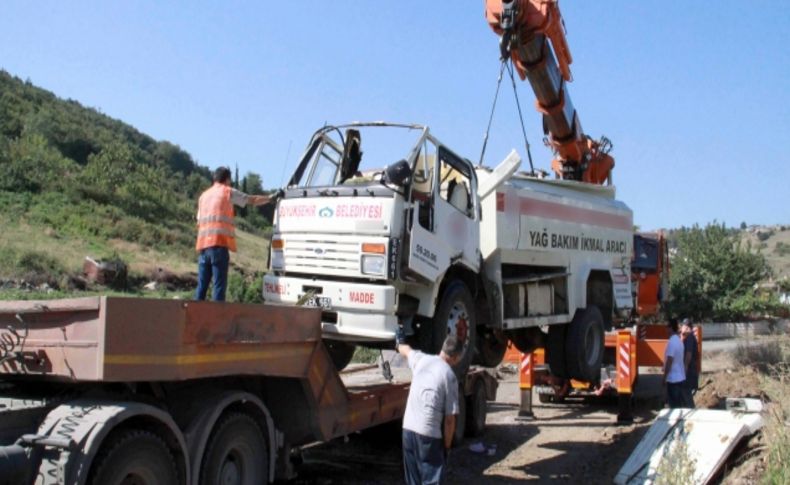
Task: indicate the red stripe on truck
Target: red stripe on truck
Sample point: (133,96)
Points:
(553,210)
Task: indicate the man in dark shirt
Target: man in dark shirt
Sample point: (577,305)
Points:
(691,362)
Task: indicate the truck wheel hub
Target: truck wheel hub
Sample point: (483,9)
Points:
(230,474)
(457,323)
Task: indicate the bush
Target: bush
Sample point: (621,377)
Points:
(245,288)
(766,357)
(782,249)
(38,262)
(764,235)
(365,355)
(776,431)
(32,266)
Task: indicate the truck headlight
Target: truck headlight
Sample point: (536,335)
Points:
(373,265)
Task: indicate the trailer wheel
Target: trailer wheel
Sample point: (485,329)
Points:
(134,456)
(237,452)
(476,409)
(455,315)
(340,352)
(585,345)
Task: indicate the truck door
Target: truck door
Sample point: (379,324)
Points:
(445,225)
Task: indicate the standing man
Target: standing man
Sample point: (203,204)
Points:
(674,375)
(216,232)
(690,361)
(431,410)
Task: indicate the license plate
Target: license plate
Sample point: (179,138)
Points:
(319,302)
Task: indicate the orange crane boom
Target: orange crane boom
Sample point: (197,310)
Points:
(533,36)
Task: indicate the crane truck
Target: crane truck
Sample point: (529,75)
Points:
(383,225)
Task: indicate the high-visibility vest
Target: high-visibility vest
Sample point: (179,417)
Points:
(215,219)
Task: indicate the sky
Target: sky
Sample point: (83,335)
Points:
(695,96)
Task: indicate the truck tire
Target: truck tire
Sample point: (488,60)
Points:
(461,419)
(585,345)
(555,350)
(491,347)
(134,456)
(340,352)
(476,409)
(527,339)
(455,314)
(236,453)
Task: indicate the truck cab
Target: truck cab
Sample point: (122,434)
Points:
(366,230)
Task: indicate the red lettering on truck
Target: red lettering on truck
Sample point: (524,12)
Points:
(274,288)
(364,297)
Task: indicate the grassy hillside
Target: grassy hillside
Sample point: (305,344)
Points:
(75,183)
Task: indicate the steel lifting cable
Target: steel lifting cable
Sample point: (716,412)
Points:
(493,108)
(506,63)
(520,117)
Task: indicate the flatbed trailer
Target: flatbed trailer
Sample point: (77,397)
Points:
(208,391)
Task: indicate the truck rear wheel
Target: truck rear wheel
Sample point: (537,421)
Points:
(527,339)
(585,345)
(555,350)
(454,315)
(340,352)
(237,453)
(476,409)
(491,347)
(134,456)
(461,418)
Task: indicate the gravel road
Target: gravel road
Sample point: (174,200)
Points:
(573,441)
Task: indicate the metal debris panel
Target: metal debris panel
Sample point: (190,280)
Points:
(687,443)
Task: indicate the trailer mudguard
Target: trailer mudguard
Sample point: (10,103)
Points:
(82,426)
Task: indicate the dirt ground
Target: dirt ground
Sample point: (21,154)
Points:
(571,442)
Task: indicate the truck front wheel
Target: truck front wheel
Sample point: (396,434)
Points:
(134,456)
(455,315)
(340,352)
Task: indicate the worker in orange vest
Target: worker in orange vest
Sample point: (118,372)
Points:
(216,233)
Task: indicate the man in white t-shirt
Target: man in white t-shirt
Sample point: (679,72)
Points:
(674,368)
(431,410)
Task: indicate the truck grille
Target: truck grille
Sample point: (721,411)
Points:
(312,254)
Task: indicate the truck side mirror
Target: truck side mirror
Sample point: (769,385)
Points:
(398,174)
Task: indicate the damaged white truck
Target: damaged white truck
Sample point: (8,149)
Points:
(437,245)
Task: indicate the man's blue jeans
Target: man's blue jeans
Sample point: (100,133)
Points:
(214,262)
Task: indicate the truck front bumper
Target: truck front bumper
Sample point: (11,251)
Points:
(351,311)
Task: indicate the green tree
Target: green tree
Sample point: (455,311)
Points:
(253,183)
(33,165)
(714,275)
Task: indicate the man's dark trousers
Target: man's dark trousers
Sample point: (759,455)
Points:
(675,394)
(423,459)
